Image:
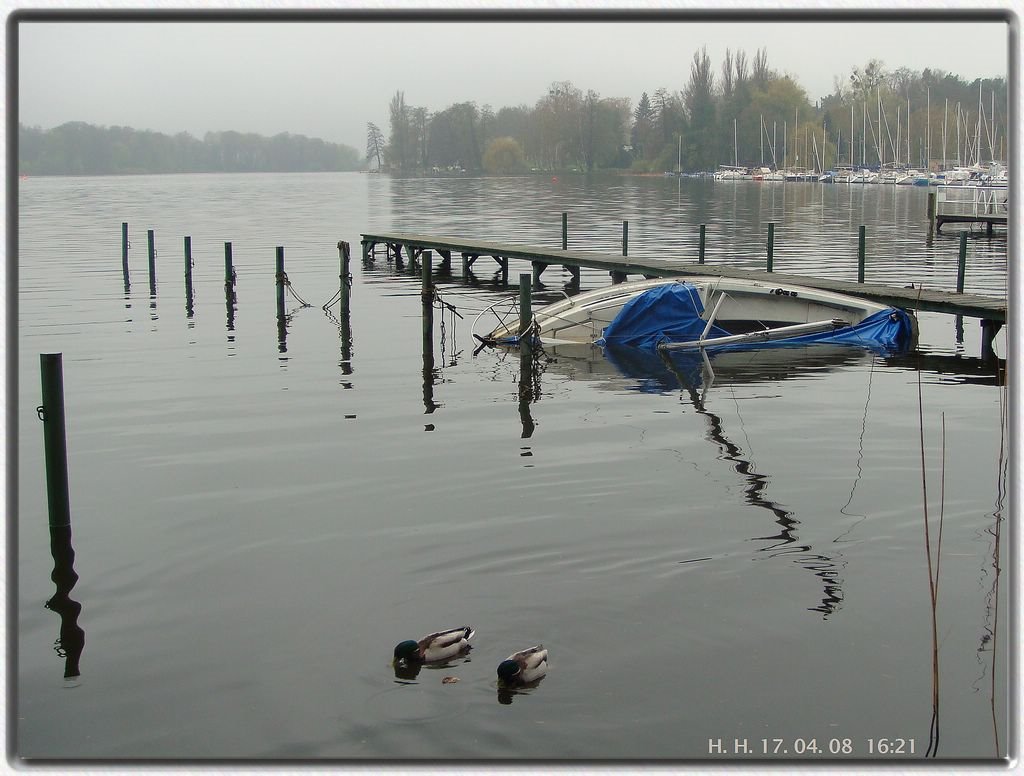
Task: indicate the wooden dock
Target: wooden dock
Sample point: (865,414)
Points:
(970,205)
(954,218)
(402,246)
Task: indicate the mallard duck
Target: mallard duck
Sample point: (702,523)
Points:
(434,648)
(527,665)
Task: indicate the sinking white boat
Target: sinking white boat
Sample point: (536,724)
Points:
(712,313)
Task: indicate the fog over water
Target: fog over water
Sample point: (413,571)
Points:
(328,79)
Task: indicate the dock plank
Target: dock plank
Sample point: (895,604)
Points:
(917,299)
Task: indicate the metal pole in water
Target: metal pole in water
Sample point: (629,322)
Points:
(51,412)
(861,252)
(625,238)
(700,254)
(124,251)
(346,277)
(961,265)
(771,245)
(565,231)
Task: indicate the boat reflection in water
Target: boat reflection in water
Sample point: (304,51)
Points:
(696,375)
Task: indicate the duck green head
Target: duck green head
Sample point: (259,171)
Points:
(508,671)
(407,651)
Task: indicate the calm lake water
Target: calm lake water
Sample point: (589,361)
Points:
(260,513)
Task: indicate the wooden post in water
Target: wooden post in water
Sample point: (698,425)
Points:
(426,270)
(700,253)
(771,245)
(625,238)
(51,412)
(931,210)
(565,231)
(861,252)
(280,278)
(229,269)
(961,264)
(151,250)
(229,286)
(124,251)
(525,304)
(427,302)
(188,276)
(346,278)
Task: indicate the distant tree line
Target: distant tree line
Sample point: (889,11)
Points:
(742,113)
(77,148)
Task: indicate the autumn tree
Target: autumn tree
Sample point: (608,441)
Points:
(503,156)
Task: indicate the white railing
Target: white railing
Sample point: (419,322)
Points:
(971,201)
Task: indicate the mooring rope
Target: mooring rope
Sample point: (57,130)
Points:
(282,278)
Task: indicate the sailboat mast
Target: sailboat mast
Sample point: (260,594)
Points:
(735,146)
(851,135)
(760,136)
(928,131)
(879,93)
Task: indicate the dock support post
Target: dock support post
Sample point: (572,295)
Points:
(565,231)
(861,252)
(931,210)
(151,251)
(771,245)
(989,329)
(188,276)
(538,268)
(700,253)
(961,264)
(625,238)
(51,412)
(525,303)
(345,288)
(124,252)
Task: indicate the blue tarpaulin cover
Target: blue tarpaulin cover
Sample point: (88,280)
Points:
(664,313)
(671,313)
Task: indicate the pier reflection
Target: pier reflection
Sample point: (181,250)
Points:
(71,642)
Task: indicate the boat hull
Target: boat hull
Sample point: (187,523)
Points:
(712,313)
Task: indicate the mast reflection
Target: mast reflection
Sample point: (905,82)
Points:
(785,542)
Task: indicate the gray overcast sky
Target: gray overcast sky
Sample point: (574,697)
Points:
(328,79)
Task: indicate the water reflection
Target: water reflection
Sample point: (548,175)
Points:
(784,543)
(71,641)
(507,694)
(695,374)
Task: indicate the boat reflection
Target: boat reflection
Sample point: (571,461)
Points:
(620,368)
